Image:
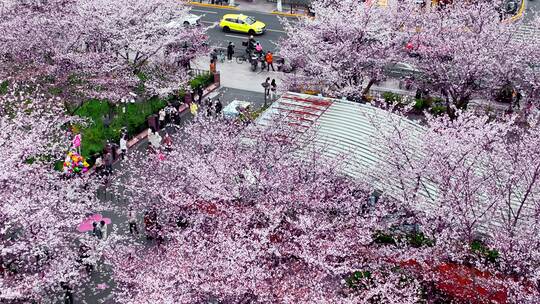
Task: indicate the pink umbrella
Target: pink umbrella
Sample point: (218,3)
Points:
(86,225)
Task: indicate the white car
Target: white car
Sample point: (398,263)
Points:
(192,20)
(188,20)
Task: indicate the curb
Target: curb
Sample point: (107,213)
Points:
(519,14)
(183,108)
(134,141)
(287,14)
(193,3)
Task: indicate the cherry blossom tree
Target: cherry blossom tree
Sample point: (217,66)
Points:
(98,47)
(149,36)
(472,185)
(39,209)
(342,51)
(462,50)
(244,218)
(465,51)
(258,215)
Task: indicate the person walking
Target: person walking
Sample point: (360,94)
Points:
(200,93)
(258,48)
(148,225)
(273,90)
(169,113)
(84,256)
(157,141)
(154,139)
(270,61)
(149,134)
(218,107)
(175,116)
(517,98)
(96,231)
(214,56)
(123,146)
(161,118)
(209,108)
(193,108)
(108,160)
(266,85)
(230,51)
(250,44)
(68,293)
(213,66)
(98,165)
(167,142)
(103,227)
(132,221)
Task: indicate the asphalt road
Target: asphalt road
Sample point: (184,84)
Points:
(268,40)
(532,7)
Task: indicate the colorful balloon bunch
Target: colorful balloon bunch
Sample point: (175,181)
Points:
(75,163)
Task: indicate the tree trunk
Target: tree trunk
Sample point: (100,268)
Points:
(367,88)
(460,102)
(449,110)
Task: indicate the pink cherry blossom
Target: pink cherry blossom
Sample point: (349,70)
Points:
(39,208)
(97,47)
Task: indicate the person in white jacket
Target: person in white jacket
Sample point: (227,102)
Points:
(162,115)
(103,227)
(123,146)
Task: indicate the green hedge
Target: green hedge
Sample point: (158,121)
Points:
(94,109)
(95,136)
(422,104)
(358,279)
(383,238)
(4,87)
(482,250)
(434,105)
(418,239)
(392,98)
(203,80)
(438,110)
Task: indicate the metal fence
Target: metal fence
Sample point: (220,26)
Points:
(198,72)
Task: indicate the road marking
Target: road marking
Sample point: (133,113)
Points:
(235,36)
(278,31)
(224,7)
(203,11)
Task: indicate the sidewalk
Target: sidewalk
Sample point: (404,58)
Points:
(239,76)
(270,7)
(261,6)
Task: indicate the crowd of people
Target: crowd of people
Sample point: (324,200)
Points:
(158,143)
(254,52)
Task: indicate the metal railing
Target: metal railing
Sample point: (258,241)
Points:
(198,72)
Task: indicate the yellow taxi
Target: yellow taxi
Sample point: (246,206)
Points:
(241,23)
